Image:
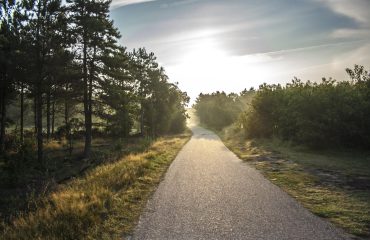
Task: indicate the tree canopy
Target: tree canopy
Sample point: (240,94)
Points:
(64,60)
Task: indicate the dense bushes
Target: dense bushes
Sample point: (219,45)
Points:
(326,114)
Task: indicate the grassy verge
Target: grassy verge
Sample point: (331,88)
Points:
(332,184)
(24,179)
(105,203)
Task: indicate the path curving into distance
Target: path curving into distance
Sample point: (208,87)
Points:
(209,193)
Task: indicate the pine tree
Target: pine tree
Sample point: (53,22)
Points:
(117,93)
(42,32)
(8,46)
(95,36)
(143,63)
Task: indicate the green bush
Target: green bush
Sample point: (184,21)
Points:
(326,114)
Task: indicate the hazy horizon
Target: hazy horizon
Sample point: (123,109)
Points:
(209,45)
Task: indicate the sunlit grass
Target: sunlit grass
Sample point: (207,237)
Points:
(104,204)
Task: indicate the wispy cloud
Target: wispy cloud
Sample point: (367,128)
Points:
(120,3)
(309,48)
(351,33)
(356,9)
(177,3)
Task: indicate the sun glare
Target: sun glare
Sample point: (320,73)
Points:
(204,54)
(207,65)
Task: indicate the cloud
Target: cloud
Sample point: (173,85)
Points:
(351,33)
(120,3)
(210,45)
(241,27)
(360,55)
(356,9)
(177,3)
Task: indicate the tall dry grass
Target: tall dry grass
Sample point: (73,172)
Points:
(104,204)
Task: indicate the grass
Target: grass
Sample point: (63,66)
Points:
(332,184)
(22,179)
(105,203)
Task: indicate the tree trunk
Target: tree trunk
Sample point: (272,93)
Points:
(39,124)
(22,114)
(35,113)
(67,123)
(53,117)
(41,53)
(141,118)
(90,92)
(87,149)
(48,122)
(66,108)
(154,130)
(3,115)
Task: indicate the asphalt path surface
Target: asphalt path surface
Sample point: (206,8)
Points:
(209,193)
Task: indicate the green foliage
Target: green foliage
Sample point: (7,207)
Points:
(165,108)
(161,103)
(218,110)
(61,61)
(326,114)
(118,104)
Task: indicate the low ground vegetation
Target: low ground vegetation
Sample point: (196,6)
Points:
(105,203)
(334,184)
(23,180)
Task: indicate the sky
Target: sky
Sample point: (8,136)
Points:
(230,45)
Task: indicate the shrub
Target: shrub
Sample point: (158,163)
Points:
(326,114)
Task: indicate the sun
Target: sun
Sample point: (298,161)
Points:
(208,66)
(205,53)
(204,59)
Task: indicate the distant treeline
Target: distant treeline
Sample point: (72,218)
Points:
(66,60)
(326,114)
(218,110)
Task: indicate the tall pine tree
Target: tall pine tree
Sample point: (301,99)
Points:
(95,36)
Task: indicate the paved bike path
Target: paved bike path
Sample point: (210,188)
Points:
(208,193)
